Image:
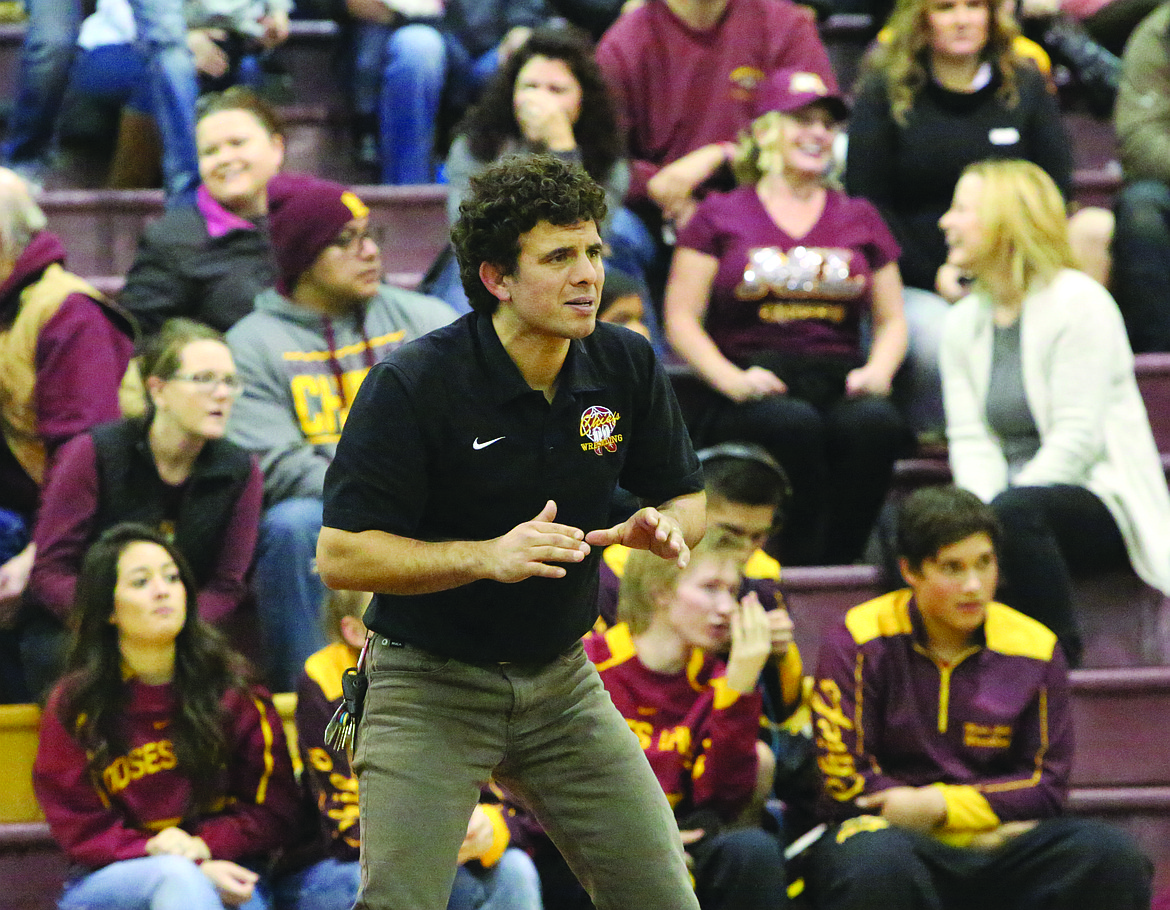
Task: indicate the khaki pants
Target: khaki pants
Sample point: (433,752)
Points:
(434,730)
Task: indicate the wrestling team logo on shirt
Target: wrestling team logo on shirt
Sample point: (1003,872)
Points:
(597,425)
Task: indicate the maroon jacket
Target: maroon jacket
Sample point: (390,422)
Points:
(993,728)
(81,355)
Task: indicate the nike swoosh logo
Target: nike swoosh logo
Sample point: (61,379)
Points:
(477,445)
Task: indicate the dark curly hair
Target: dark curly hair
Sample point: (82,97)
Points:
(510,198)
(935,517)
(492,121)
(94,692)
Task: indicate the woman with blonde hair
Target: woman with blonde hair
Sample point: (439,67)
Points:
(1044,417)
(768,290)
(946,90)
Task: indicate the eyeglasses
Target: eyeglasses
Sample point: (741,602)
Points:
(353,242)
(208,381)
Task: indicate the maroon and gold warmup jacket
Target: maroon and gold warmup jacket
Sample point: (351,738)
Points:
(993,729)
(110,816)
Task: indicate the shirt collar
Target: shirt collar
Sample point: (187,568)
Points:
(219,220)
(578,374)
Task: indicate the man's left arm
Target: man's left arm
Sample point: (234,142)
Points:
(81,356)
(668,530)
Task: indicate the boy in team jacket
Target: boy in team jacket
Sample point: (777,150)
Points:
(944,741)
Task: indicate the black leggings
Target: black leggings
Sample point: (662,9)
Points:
(1050,535)
(839,459)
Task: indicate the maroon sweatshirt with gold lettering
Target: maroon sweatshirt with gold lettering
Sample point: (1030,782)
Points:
(698,733)
(100,820)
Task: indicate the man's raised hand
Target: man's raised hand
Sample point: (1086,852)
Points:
(646,529)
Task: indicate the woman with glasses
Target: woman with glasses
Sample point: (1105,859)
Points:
(171,470)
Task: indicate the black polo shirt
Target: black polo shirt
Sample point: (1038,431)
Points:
(446,441)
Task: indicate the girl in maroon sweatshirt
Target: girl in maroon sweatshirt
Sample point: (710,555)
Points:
(164,775)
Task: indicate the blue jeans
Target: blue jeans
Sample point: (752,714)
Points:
(14,536)
(399,73)
(288,590)
(435,729)
(1141,263)
(151,883)
(511,884)
(44,71)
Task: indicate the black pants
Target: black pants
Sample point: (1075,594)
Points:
(1061,864)
(1050,535)
(839,458)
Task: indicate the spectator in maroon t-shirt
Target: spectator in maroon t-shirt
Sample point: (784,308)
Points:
(684,76)
(766,297)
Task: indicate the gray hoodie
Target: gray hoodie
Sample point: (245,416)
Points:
(299,382)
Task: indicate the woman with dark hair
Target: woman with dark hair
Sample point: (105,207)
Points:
(208,260)
(163,773)
(548,97)
(171,470)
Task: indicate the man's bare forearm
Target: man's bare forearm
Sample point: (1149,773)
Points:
(388,564)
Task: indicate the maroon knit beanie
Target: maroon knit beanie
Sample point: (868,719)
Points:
(305,215)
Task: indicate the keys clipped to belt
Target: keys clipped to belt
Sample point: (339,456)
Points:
(341,731)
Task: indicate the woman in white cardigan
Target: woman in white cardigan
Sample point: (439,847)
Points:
(1044,418)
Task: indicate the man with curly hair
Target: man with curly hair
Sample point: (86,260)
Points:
(471,489)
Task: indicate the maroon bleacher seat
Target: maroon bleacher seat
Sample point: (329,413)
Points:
(100,228)
(1153,377)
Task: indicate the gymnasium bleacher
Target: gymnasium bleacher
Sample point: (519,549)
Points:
(1121,698)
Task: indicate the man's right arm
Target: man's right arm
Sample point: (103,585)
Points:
(390,564)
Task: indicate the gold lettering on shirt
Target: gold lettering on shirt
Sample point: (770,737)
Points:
(982,736)
(801,273)
(842,782)
(149,758)
(644,731)
(320,408)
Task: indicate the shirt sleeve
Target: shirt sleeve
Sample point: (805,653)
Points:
(81,358)
(723,775)
(261,803)
(376,483)
(1048,140)
(89,829)
(155,289)
(661,463)
(1142,114)
(329,777)
(871,161)
(264,421)
(700,232)
(844,723)
(228,585)
(64,526)
(882,248)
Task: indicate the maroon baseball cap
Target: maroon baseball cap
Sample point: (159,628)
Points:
(789,90)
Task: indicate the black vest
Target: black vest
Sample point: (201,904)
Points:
(129,489)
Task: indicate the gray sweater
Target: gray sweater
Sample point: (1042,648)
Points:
(294,406)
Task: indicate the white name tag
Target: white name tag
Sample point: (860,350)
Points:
(1004,135)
